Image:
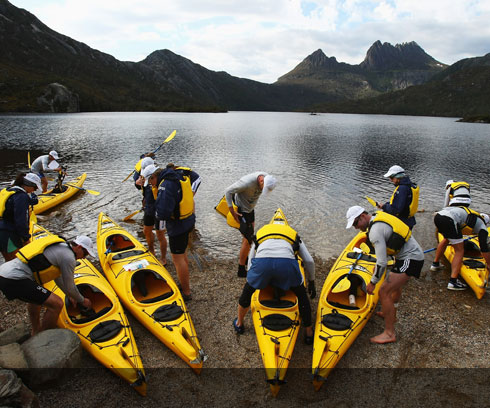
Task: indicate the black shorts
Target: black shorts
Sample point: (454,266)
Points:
(246,224)
(410,267)
(148,220)
(160,225)
(178,243)
(24,289)
(445,225)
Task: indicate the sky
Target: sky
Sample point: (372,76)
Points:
(264,39)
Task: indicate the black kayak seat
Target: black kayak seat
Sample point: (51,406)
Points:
(92,316)
(277,322)
(105,331)
(474,264)
(336,321)
(167,313)
(277,302)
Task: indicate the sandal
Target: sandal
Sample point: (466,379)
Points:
(238,329)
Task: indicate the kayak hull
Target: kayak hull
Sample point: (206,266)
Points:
(338,323)
(474,267)
(148,291)
(52,199)
(276,319)
(116,349)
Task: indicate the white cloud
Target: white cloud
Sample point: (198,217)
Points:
(263,40)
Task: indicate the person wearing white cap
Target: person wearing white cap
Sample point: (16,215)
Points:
(405,198)
(244,194)
(150,172)
(45,259)
(15,202)
(43,164)
(450,222)
(389,236)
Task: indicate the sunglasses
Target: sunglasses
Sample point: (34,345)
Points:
(356,220)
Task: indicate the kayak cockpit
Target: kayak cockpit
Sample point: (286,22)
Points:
(147,286)
(100,305)
(276,298)
(357,288)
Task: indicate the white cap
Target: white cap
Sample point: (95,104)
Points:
(33,178)
(395,171)
(146,162)
(486,218)
(352,214)
(54,154)
(269,184)
(148,171)
(86,242)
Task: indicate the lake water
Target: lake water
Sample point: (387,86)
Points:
(323,163)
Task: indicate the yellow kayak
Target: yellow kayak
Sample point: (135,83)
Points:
(338,322)
(54,197)
(105,332)
(222,208)
(148,291)
(474,268)
(277,321)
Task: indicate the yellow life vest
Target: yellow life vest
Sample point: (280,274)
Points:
(456,185)
(278,231)
(467,227)
(33,255)
(154,190)
(5,194)
(186,204)
(414,204)
(401,232)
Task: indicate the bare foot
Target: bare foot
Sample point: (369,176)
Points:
(164,262)
(383,338)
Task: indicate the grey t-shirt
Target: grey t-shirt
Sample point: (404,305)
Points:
(459,216)
(59,255)
(246,190)
(379,234)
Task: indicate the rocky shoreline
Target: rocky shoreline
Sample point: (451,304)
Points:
(441,356)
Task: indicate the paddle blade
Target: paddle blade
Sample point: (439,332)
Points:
(93,192)
(129,175)
(170,137)
(29,159)
(371,201)
(343,285)
(127,218)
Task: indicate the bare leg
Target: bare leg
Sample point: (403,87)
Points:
(182,267)
(242,311)
(441,247)
(457,260)
(163,246)
(393,283)
(44,184)
(150,239)
(53,305)
(244,250)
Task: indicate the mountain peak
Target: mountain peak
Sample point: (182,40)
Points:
(384,56)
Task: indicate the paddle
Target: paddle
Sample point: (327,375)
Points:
(371,201)
(433,249)
(344,284)
(29,159)
(127,218)
(168,139)
(93,192)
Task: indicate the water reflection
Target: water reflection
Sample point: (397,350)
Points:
(324,163)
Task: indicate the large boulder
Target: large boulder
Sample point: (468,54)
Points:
(49,354)
(12,357)
(16,334)
(13,392)
(58,99)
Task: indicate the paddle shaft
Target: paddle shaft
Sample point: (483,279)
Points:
(433,249)
(93,192)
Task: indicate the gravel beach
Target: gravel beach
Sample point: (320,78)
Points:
(441,356)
